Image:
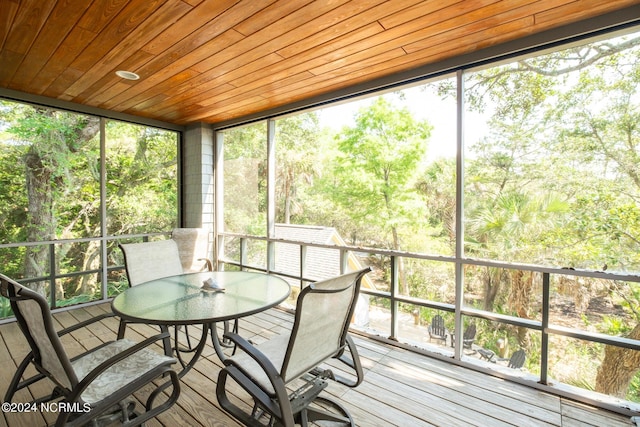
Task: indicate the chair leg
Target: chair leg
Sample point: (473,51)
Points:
(16,384)
(119,414)
(127,418)
(231,408)
(314,413)
(278,410)
(353,362)
(225,342)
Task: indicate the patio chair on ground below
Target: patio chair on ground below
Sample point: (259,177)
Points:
(437,331)
(468,338)
(267,372)
(95,386)
(517,359)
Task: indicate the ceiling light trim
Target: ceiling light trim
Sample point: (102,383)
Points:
(127,75)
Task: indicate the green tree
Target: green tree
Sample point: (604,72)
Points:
(48,140)
(601,129)
(141,166)
(297,163)
(438,187)
(375,171)
(245,179)
(558,179)
(50,163)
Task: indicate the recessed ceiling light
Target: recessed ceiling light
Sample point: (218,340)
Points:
(127,75)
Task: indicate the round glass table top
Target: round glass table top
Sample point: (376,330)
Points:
(181,299)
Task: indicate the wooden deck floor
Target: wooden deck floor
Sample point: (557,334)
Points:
(400,388)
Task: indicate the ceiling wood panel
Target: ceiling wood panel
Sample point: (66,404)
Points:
(6,19)
(26,25)
(61,21)
(217,60)
(191,28)
(134,43)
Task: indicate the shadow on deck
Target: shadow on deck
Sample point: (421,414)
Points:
(400,387)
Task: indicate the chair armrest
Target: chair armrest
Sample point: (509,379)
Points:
(91,376)
(254,353)
(272,373)
(353,362)
(208,262)
(85,323)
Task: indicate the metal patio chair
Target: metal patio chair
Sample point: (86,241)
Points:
(95,385)
(193,249)
(266,372)
(193,245)
(149,261)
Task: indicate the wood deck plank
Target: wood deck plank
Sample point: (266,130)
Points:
(400,388)
(463,387)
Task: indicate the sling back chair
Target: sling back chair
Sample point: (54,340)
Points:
(193,249)
(94,386)
(193,245)
(320,333)
(148,261)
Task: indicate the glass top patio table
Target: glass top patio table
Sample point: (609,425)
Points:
(179,300)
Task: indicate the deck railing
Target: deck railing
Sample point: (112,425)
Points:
(239,250)
(53,274)
(259,253)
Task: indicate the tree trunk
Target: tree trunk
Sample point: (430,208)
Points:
(41,224)
(520,301)
(492,280)
(402,277)
(46,167)
(618,368)
(287,199)
(89,283)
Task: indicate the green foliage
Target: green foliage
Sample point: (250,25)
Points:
(437,186)
(50,189)
(375,168)
(141,167)
(5,308)
(633,394)
(76,299)
(612,325)
(298,159)
(245,168)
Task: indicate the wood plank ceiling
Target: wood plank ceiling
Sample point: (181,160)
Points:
(217,60)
